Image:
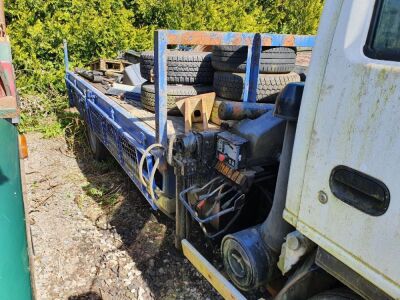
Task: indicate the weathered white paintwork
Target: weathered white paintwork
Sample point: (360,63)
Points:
(350,115)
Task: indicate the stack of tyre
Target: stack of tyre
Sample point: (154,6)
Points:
(189,73)
(276,70)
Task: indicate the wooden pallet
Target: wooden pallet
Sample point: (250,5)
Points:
(108,65)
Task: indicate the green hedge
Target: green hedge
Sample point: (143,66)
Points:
(100,28)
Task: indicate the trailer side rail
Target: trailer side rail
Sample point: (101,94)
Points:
(125,136)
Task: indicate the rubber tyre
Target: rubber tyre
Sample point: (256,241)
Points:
(174,93)
(99,151)
(183,67)
(277,60)
(337,294)
(230,85)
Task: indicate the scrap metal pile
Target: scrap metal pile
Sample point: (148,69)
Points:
(118,77)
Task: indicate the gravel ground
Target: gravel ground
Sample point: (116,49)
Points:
(95,237)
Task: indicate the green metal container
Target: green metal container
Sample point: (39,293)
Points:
(14,261)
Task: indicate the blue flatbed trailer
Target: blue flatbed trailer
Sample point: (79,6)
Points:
(129,131)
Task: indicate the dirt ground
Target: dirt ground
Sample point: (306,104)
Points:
(94,236)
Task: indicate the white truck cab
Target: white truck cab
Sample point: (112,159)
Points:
(343,191)
(333,231)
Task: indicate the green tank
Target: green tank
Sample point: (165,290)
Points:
(15,280)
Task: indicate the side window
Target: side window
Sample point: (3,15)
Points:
(383,40)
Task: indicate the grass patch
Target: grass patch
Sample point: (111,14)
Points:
(51,116)
(47,114)
(106,197)
(49,127)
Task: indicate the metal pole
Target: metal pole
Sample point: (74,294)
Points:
(66,60)
(180,211)
(252,70)
(160,68)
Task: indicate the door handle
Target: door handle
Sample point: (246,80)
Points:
(359,190)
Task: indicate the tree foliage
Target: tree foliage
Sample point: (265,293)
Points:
(100,28)
(298,17)
(37,29)
(201,15)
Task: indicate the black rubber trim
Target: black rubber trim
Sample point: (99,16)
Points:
(369,51)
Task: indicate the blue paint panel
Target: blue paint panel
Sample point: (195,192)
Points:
(252,70)
(118,155)
(120,115)
(137,134)
(304,41)
(230,38)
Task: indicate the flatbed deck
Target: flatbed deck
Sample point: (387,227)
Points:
(128,130)
(175,124)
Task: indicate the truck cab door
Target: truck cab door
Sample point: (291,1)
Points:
(344,188)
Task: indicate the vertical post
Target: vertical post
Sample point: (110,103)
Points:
(252,70)
(66,60)
(160,68)
(66,65)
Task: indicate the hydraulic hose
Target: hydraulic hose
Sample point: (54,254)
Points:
(150,183)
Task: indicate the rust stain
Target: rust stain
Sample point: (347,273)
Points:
(191,39)
(239,40)
(8,107)
(266,41)
(204,38)
(289,41)
(236,110)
